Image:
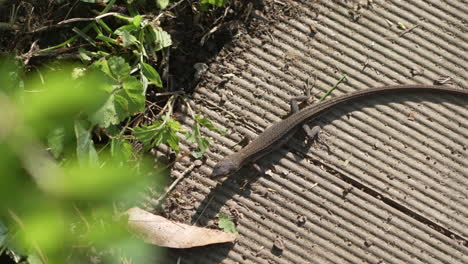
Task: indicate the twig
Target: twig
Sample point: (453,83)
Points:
(73,6)
(333,88)
(28,55)
(170,93)
(174,5)
(170,108)
(157,203)
(8,26)
(203,39)
(71,20)
(45,28)
(203,211)
(215,28)
(402,33)
(408,30)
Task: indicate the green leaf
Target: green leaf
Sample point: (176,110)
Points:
(203,7)
(127,39)
(149,33)
(151,74)
(173,140)
(215,2)
(85,150)
(84,36)
(120,104)
(34,259)
(121,149)
(226,224)
(161,4)
(119,68)
(195,137)
(125,28)
(137,21)
(203,144)
(104,25)
(113,131)
(174,125)
(205,122)
(121,107)
(125,93)
(92,183)
(62,99)
(85,55)
(56,141)
(160,132)
(162,39)
(134,94)
(103,65)
(107,115)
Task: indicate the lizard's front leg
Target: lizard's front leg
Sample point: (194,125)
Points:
(294,102)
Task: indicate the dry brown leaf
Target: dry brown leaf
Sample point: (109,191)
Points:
(157,230)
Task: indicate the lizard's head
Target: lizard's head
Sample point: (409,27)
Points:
(223,168)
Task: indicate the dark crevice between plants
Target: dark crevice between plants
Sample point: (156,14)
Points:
(5,259)
(188,29)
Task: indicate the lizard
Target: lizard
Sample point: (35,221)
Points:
(280,132)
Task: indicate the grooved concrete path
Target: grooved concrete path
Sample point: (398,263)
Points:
(387,181)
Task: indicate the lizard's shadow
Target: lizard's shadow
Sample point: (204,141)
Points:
(242,182)
(239,183)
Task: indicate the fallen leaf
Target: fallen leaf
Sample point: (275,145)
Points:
(157,230)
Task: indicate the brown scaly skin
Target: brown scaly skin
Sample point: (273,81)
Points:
(278,133)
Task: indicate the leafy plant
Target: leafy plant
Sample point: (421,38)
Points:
(82,114)
(165,131)
(195,135)
(125,92)
(226,224)
(48,208)
(138,42)
(138,39)
(162,131)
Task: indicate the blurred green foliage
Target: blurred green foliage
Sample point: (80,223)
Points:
(62,209)
(59,188)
